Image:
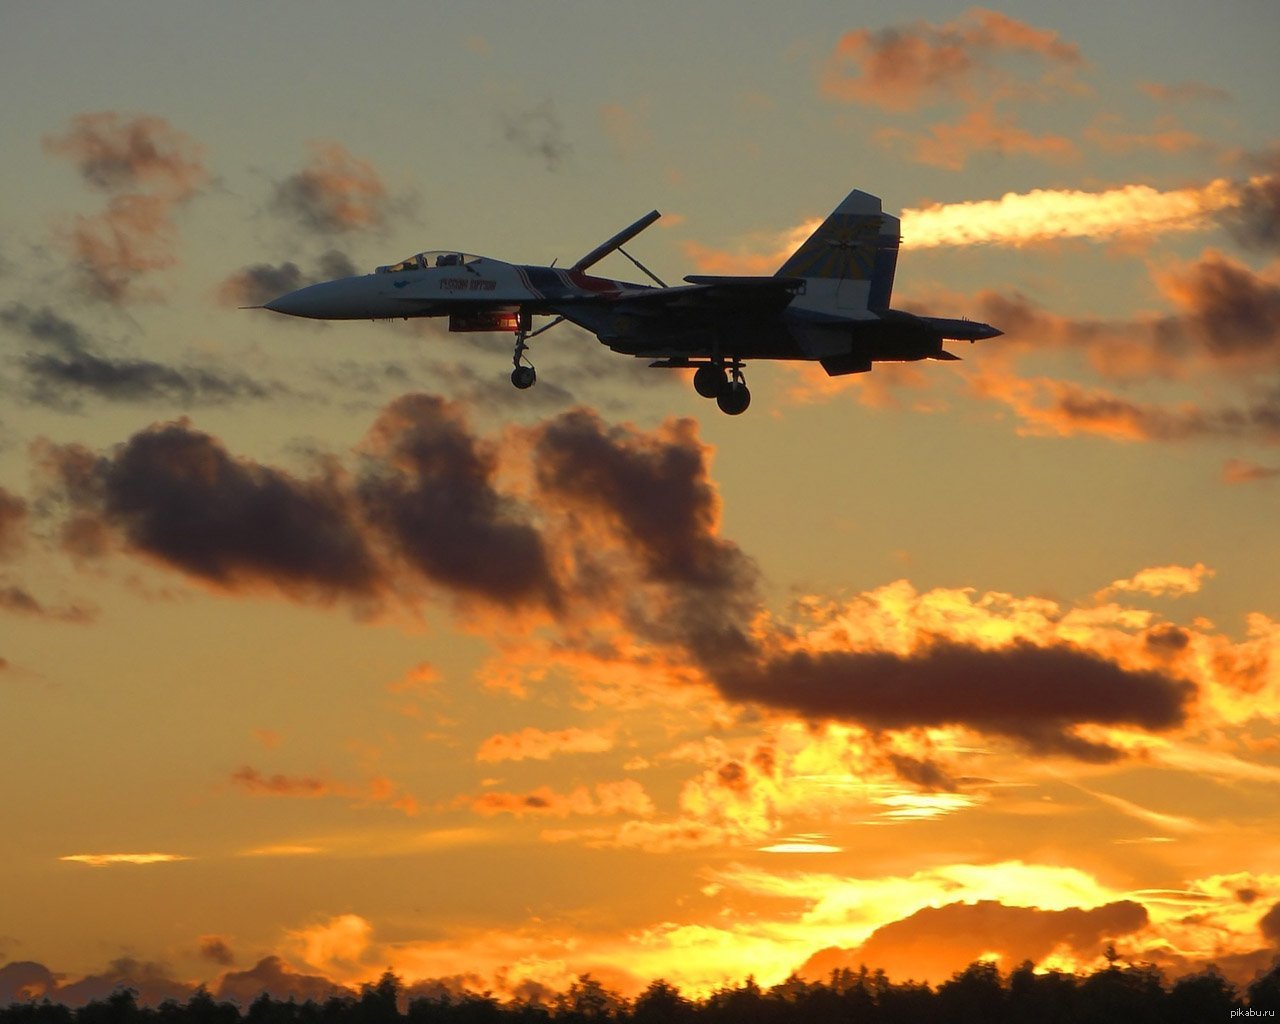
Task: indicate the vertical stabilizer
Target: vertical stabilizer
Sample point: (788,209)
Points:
(849,262)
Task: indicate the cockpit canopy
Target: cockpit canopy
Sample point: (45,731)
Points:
(427,260)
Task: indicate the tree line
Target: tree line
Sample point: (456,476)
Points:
(980,994)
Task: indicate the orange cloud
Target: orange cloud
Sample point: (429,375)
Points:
(540,745)
(151,168)
(1163,580)
(119,154)
(335,945)
(1168,137)
(1048,406)
(981,131)
(1243,471)
(1183,92)
(905,67)
(336,191)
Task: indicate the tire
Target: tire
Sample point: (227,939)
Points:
(709,380)
(734,399)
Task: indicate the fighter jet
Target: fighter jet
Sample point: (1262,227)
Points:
(829,303)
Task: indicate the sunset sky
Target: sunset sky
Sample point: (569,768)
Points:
(323,650)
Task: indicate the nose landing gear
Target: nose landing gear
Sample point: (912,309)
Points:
(524,375)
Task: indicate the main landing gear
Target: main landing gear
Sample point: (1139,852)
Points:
(727,387)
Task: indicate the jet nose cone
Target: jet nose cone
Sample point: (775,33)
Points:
(348,298)
(280,305)
(297,303)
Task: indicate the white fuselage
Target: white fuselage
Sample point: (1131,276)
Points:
(470,283)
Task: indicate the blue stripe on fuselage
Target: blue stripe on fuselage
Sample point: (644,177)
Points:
(548,281)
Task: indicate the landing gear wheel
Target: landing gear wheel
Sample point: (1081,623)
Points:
(524,377)
(734,398)
(709,380)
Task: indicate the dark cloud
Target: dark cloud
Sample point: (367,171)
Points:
(1269,925)
(58,381)
(1227,320)
(274,977)
(18,600)
(1230,309)
(655,487)
(935,941)
(176,495)
(1032,695)
(431,491)
(925,773)
(1255,221)
(425,502)
(253,781)
(26,981)
(538,132)
(262,282)
(74,369)
(151,981)
(1166,639)
(216,950)
(13,518)
(653,492)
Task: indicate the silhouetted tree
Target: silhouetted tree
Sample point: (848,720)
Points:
(201,1008)
(973,996)
(587,1002)
(43,1012)
(1050,998)
(380,1003)
(121,1007)
(1120,992)
(1264,992)
(1201,997)
(1132,995)
(662,1003)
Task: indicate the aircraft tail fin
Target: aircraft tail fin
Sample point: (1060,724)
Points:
(848,263)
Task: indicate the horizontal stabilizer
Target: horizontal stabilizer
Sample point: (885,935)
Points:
(946,356)
(617,241)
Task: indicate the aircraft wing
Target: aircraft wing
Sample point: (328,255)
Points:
(709,295)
